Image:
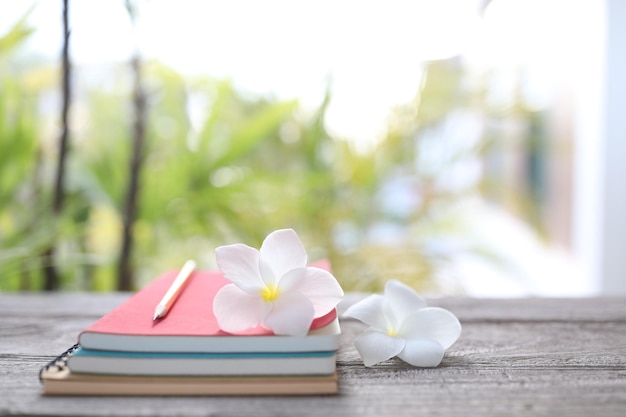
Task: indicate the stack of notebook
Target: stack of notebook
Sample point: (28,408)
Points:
(126,352)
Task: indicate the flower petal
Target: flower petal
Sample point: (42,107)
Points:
(281,252)
(432,323)
(422,352)
(292,314)
(369,311)
(236,310)
(318,285)
(403,300)
(375,347)
(239,263)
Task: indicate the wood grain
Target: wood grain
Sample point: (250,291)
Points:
(515,357)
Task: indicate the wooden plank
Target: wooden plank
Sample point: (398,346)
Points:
(467,309)
(526,309)
(520,357)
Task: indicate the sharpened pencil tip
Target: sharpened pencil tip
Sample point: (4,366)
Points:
(159,312)
(174,290)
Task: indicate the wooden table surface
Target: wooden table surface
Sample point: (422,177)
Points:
(515,357)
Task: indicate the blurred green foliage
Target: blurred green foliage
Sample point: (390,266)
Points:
(221,167)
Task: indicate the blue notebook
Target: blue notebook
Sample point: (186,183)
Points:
(202,364)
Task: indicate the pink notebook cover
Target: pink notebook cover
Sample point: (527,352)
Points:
(191,314)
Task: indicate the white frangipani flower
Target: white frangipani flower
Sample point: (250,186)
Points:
(272,287)
(402,325)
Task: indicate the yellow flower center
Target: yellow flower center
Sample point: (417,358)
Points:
(391,332)
(270,293)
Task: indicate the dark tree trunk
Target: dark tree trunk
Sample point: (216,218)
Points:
(51,276)
(125,270)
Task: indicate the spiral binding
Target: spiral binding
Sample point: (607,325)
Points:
(60,362)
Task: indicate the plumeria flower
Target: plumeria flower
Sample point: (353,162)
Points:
(272,287)
(402,325)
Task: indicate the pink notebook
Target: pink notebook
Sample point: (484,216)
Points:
(190,325)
